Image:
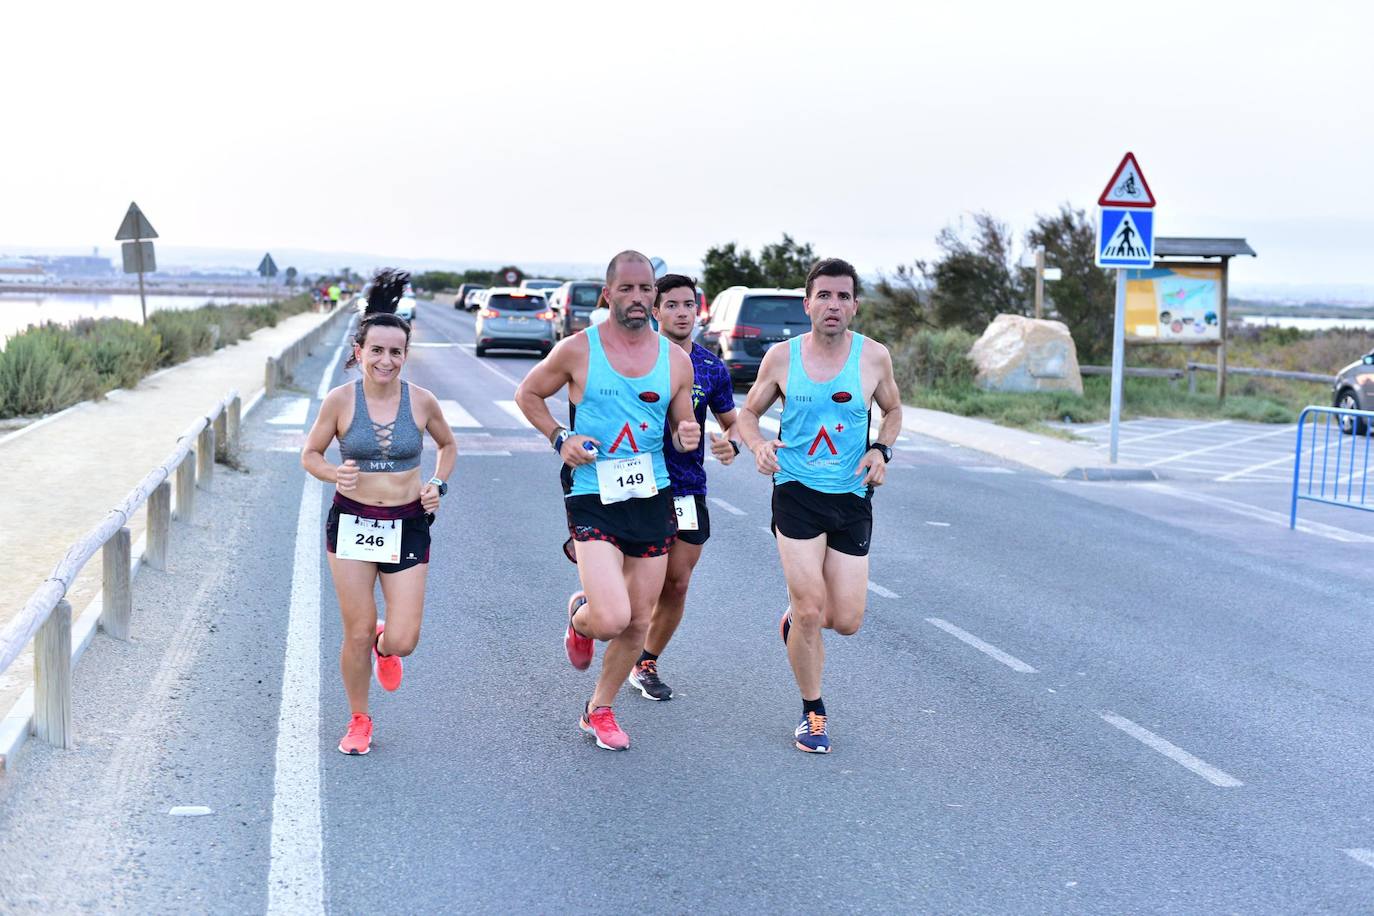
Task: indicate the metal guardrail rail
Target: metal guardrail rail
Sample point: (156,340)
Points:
(1340,473)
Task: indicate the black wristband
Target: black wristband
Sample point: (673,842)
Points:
(734,445)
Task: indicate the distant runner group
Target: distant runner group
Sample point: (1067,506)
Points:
(634,482)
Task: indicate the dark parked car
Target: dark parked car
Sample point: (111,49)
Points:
(572,305)
(460,298)
(1354,390)
(746,322)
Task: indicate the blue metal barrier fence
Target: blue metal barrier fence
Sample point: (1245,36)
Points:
(1336,483)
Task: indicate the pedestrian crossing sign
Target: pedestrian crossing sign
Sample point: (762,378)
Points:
(1125,237)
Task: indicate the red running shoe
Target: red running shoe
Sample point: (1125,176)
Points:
(386,668)
(358,739)
(601,723)
(580,648)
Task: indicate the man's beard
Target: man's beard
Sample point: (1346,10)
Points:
(623,318)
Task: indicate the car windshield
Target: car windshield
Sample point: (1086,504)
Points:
(586,296)
(773,310)
(515,303)
(542,284)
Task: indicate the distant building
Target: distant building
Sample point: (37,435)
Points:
(78,266)
(21,270)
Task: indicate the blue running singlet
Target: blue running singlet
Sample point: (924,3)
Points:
(824,426)
(626,415)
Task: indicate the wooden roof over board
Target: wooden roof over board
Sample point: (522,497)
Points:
(1179,247)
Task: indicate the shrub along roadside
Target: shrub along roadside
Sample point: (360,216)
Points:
(47,368)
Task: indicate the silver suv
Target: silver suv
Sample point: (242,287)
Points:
(514,319)
(1354,390)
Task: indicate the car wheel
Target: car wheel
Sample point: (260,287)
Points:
(1348,400)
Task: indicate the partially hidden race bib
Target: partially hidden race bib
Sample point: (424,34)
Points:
(376,540)
(686,508)
(626,478)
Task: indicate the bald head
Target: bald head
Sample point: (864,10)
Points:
(625,257)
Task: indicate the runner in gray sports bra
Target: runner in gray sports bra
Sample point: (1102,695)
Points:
(382,447)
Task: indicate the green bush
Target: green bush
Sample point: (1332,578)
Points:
(44,369)
(121,352)
(930,359)
(184,335)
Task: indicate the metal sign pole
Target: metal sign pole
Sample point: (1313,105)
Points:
(1118,357)
(142,297)
(1040,281)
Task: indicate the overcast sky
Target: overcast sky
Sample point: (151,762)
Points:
(564,132)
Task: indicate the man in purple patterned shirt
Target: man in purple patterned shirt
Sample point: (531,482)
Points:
(675,309)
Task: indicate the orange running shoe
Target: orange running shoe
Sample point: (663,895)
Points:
(387,668)
(601,723)
(580,648)
(358,739)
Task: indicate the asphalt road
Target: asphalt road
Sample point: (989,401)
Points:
(1064,698)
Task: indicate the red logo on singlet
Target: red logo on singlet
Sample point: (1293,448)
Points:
(650,397)
(841,397)
(822,436)
(625,433)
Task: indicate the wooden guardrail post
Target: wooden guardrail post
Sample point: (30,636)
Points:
(186,487)
(52,678)
(159,526)
(117,597)
(1192,379)
(205,457)
(270,378)
(235,412)
(221,436)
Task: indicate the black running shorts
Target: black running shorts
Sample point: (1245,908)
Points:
(414,529)
(703,532)
(846,519)
(643,527)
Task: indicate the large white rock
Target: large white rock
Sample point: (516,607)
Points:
(1017,353)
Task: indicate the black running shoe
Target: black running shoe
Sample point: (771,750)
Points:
(644,676)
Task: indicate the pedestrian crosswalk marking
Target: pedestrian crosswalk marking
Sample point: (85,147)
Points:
(455,415)
(292,413)
(513,409)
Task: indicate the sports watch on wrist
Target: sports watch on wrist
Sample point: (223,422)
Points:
(441,484)
(560,437)
(882,450)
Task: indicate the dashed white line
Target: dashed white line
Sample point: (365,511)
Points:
(1285,431)
(455,415)
(881,592)
(939,524)
(988,649)
(726,506)
(1172,751)
(513,409)
(1363,856)
(769,423)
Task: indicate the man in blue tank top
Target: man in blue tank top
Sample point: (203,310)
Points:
(631,392)
(675,309)
(824,468)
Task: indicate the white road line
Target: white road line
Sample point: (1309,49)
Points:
(1176,430)
(769,423)
(1011,661)
(1175,753)
(1285,431)
(291,413)
(1331,532)
(881,592)
(470,453)
(329,374)
(726,506)
(513,409)
(295,879)
(1283,459)
(1363,856)
(455,415)
(939,524)
(425,343)
(981,469)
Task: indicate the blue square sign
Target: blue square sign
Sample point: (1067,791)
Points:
(1125,237)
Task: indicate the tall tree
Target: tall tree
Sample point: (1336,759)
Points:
(785,264)
(973,281)
(899,305)
(1084,297)
(725,266)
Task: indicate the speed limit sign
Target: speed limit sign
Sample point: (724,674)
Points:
(511,277)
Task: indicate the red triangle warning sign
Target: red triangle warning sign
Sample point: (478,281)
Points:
(1127,187)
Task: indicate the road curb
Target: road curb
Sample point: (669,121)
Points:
(1041,452)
